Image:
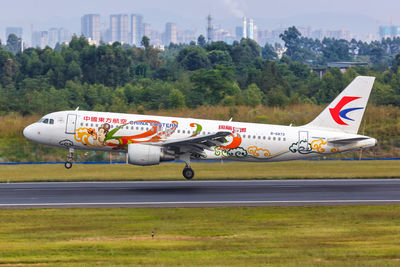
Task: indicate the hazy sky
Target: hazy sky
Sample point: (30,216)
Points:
(47,13)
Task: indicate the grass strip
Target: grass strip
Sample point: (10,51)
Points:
(204,171)
(238,236)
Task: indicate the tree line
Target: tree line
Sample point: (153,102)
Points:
(118,77)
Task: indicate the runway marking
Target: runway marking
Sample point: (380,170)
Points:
(196,203)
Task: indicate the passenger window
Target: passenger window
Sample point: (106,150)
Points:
(183,131)
(274,138)
(279,139)
(269,137)
(259,137)
(264,137)
(81,123)
(284,139)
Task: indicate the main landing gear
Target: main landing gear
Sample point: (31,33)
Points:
(70,159)
(187,172)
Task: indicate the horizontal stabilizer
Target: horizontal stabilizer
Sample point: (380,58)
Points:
(346,140)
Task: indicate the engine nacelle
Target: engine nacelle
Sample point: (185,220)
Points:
(145,155)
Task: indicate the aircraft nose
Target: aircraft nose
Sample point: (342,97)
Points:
(28,132)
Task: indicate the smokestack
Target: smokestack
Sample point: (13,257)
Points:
(245,27)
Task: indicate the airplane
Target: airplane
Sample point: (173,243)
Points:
(149,140)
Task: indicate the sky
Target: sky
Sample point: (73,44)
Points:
(354,15)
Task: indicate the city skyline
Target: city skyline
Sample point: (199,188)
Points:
(156,18)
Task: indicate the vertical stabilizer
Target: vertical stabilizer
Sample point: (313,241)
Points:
(346,111)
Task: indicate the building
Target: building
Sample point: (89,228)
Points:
(136,29)
(385,32)
(395,31)
(53,37)
(170,33)
(186,36)
(90,27)
(239,33)
(40,39)
(18,31)
(119,24)
(146,30)
(64,35)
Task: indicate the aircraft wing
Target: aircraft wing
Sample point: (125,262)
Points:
(197,144)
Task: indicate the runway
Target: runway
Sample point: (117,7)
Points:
(201,193)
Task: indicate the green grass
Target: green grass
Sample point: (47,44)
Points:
(226,170)
(284,236)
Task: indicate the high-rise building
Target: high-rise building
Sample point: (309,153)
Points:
(90,27)
(53,37)
(146,30)
(18,31)
(395,31)
(119,28)
(239,33)
(64,35)
(40,39)
(136,29)
(170,33)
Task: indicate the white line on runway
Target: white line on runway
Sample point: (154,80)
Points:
(196,203)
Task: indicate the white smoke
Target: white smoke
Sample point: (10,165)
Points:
(235,7)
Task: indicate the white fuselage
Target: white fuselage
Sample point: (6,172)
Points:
(248,142)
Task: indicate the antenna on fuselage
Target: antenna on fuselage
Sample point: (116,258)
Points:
(230,119)
(77,109)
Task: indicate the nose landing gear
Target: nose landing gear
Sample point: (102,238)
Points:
(70,159)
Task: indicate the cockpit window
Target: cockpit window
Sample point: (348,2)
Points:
(46,120)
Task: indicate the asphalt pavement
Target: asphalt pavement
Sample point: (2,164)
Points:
(201,193)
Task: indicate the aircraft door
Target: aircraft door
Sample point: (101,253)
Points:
(303,141)
(71,124)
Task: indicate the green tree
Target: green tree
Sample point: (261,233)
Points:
(291,37)
(252,96)
(176,99)
(145,42)
(193,58)
(201,41)
(217,57)
(268,52)
(14,44)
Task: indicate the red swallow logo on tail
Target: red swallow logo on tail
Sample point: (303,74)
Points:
(338,114)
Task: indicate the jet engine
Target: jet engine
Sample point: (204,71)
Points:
(144,155)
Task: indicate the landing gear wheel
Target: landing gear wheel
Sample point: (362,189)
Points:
(68,165)
(188,173)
